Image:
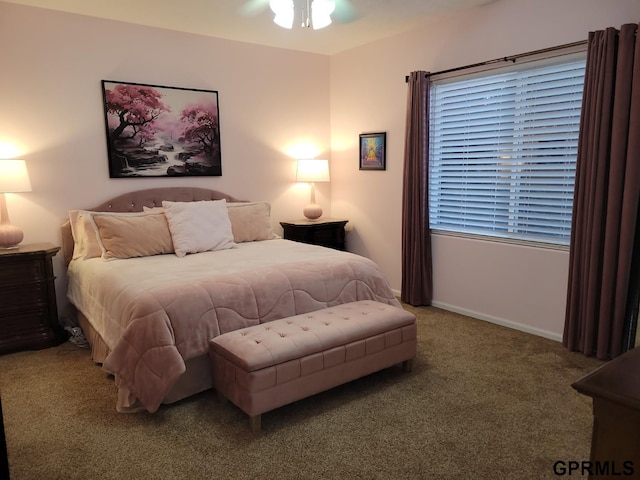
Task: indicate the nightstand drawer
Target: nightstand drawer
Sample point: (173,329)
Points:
(22,296)
(24,271)
(27,330)
(328,237)
(24,322)
(325,232)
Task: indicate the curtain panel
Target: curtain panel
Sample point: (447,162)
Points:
(417,287)
(606,197)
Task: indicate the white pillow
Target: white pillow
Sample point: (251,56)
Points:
(199,226)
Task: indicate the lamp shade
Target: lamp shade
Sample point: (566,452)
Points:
(14,177)
(313,170)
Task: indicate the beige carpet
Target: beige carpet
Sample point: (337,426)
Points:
(483,402)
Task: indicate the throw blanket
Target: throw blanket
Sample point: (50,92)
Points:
(156,312)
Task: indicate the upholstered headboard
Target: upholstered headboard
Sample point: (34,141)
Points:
(135,201)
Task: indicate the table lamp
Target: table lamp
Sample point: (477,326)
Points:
(312,170)
(13,178)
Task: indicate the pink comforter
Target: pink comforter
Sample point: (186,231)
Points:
(164,325)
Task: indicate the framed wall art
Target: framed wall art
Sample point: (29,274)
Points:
(373,151)
(155,131)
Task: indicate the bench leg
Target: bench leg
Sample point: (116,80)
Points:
(255,423)
(407,365)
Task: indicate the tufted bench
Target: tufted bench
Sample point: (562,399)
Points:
(266,366)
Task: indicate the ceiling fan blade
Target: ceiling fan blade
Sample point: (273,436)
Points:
(345,12)
(253,7)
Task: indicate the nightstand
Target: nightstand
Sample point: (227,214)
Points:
(326,232)
(28,311)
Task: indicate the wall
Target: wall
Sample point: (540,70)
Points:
(52,64)
(522,287)
(52,113)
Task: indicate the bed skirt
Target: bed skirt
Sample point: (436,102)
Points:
(196,379)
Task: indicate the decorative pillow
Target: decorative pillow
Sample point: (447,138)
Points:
(85,238)
(152,209)
(250,221)
(199,226)
(133,235)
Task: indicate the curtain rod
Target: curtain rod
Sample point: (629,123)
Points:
(512,58)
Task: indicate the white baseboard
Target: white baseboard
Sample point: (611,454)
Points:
(499,321)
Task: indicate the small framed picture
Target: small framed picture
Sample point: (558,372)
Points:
(373,155)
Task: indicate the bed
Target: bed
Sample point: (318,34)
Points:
(148,310)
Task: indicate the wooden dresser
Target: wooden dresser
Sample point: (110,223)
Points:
(28,310)
(615,390)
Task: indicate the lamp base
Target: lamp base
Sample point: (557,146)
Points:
(10,236)
(312,211)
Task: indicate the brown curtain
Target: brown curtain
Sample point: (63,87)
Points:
(417,287)
(607,193)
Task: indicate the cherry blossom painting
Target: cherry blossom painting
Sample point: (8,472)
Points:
(155,131)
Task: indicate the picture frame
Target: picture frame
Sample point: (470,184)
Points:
(159,131)
(373,151)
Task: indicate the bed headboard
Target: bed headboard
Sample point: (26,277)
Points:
(134,201)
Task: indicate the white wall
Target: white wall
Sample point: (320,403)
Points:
(519,286)
(51,112)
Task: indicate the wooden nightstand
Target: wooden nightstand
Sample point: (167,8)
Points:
(327,232)
(28,311)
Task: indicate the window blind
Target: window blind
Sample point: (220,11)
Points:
(503,149)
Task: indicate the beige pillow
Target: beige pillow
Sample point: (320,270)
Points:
(250,221)
(133,236)
(85,238)
(153,209)
(199,226)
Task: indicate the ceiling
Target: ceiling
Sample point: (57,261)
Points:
(251,20)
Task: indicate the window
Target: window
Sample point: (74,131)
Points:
(503,148)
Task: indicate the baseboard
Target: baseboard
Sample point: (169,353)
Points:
(499,321)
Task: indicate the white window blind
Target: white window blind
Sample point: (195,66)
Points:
(503,148)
